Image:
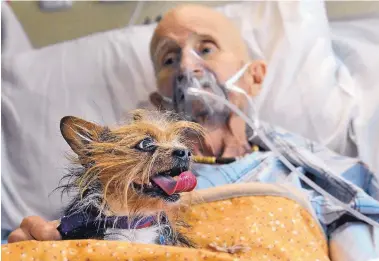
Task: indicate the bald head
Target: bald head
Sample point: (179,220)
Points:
(189,33)
(181,22)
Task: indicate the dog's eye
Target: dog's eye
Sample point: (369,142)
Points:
(146,145)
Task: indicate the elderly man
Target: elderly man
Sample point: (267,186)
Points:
(195,29)
(197,44)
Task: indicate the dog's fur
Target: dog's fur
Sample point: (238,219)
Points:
(111,172)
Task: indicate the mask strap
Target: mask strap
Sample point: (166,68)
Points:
(196,55)
(165,98)
(238,75)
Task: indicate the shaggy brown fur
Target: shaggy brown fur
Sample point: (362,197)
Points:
(109,162)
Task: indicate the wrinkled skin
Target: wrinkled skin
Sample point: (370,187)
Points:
(224,53)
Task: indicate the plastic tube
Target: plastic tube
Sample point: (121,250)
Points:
(136,13)
(271,146)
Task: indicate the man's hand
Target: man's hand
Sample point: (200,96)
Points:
(35,228)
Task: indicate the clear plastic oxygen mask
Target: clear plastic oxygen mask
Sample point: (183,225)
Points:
(189,70)
(218,97)
(199,109)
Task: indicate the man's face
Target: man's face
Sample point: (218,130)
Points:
(198,41)
(195,39)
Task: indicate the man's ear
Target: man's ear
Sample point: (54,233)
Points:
(257,73)
(258,70)
(78,133)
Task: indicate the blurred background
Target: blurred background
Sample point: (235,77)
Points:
(45,27)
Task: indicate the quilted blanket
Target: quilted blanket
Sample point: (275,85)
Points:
(251,221)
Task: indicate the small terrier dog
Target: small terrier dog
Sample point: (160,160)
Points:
(127,181)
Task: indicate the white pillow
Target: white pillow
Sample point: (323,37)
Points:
(356,44)
(103,76)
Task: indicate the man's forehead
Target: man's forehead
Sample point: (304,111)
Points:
(180,23)
(185,33)
(177,26)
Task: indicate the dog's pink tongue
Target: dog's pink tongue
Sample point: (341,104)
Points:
(186,182)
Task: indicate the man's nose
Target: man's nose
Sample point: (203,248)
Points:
(189,63)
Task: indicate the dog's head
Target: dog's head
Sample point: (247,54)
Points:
(141,166)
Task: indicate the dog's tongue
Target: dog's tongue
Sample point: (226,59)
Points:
(185,182)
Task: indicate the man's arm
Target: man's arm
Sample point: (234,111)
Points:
(35,228)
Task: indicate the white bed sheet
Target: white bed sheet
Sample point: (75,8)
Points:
(356,44)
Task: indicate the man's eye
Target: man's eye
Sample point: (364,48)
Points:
(168,61)
(207,47)
(146,144)
(206,50)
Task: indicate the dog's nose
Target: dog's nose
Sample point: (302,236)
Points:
(183,154)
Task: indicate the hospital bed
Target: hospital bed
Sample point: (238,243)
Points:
(327,79)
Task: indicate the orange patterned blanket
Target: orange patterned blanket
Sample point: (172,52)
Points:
(235,222)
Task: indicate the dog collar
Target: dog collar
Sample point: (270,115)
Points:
(220,160)
(75,222)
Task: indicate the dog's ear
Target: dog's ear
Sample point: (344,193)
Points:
(78,133)
(138,115)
